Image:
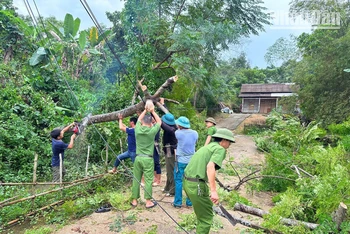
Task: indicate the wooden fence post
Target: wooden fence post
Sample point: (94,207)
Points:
(34,178)
(106,162)
(87,162)
(61,169)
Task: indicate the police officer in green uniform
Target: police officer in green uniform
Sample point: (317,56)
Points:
(211,129)
(200,171)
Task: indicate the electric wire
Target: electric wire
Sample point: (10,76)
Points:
(93,18)
(61,73)
(99,28)
(59,68)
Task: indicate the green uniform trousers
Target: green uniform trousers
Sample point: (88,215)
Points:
(202,205)
(142,166)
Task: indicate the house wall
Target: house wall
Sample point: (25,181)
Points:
(258,105)
(250,105)
(266,105)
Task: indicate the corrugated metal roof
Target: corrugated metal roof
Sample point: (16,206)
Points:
(267,88)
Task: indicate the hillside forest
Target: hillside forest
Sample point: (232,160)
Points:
(53,72)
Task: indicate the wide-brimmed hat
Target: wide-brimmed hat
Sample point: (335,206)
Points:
(183,122)
(224,133)
(211,120)
(169,119)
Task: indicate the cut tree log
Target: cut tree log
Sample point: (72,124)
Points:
(131,110)
(258,212)
(339,215)
(233,220)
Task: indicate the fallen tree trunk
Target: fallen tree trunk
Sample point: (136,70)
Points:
(233,220)
(340,214)
(261,213)
(131,110)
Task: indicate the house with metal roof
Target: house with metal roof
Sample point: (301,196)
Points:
(262,98)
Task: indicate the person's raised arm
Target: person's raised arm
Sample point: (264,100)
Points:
(156,117)
(71,143)
(214,197)
(121,125)
(143,113)
(65,129)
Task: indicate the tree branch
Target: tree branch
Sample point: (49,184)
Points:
(261,213)
(178,14)
(164,86)
(168,56)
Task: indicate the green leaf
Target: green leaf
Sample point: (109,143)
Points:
(103,36)
(82,40)
(76,26)
(56,30)
(347,70)
(38,56)
(68,25)
(94,51)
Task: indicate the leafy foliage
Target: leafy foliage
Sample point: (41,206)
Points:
(321,180)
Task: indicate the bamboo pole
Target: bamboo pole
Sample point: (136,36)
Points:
(31,183)
(46,183)
(87,162)
(52,191)
(15,221)
(7,200)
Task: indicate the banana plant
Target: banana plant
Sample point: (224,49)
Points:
(74,47)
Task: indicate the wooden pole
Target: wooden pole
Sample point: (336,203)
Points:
(31,183)
(13,222)
(87,162)
(34,177)
(106,162)
(61,164)
(52,191)
(7,200)
(35,167)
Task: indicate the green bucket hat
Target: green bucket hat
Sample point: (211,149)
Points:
(183,122)
(168,119)
(224,133)
(211,120)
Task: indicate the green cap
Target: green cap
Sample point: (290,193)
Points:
(211,120)
(224,133)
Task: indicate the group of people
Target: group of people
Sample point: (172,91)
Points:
(185,168)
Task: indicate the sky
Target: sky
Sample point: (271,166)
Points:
(254,47)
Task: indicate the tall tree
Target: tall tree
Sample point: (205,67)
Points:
(184,37)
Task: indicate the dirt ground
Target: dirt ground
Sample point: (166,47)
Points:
(244,152)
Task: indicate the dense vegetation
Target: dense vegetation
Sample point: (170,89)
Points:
(55,72)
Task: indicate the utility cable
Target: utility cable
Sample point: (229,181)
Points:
(128,169)
(99,28)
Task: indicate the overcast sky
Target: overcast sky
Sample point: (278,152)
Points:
(255,47)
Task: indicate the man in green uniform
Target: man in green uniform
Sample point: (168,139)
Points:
(211,129)
(145,132)
(200,171)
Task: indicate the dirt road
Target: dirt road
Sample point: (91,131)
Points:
(243,151)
